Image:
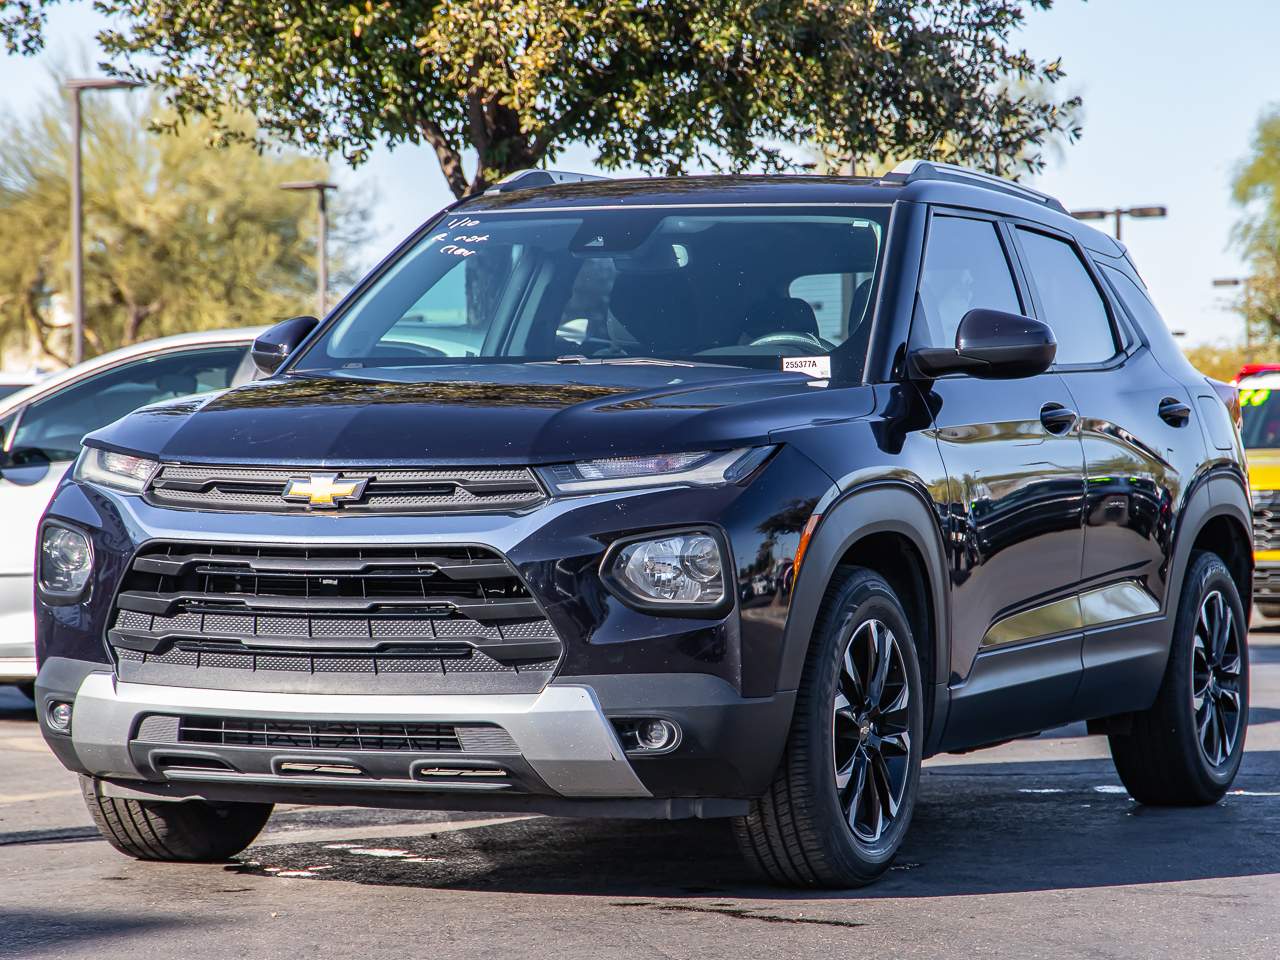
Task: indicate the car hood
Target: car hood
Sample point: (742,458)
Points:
(482,413)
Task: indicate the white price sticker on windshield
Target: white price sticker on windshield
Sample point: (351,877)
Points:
(819,367)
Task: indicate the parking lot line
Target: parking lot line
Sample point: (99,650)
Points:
(7,798)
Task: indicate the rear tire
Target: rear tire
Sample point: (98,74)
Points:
(186,831)
(841,800)
(1187,748)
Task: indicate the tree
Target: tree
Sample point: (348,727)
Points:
(1256,188)
(666,85)
(177,236)
(1221,360)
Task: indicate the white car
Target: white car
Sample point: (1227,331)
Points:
(40,432)
(13,382)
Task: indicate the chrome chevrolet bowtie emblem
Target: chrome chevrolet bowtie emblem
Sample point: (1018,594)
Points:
(324,490)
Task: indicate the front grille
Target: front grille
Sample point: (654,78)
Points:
(318,735)
(429,618)
(1266,582)
(1266,519)
(261,489)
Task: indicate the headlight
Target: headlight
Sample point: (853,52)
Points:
(120,471)
(677,570)
(700,469)
(66,559)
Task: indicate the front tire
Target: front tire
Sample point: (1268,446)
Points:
(186,831)
(842,798)
(1187,748)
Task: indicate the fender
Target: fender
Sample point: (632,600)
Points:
(885,506)
(1223,492)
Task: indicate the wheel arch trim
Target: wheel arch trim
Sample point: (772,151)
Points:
(877,506)
(1218,494)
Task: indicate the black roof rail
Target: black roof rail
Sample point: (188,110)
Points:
(909,171)
(524,179)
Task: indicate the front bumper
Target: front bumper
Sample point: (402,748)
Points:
(556,751)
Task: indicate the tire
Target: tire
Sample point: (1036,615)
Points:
(28,689)
(799,833)
(1186,749)
(187,831)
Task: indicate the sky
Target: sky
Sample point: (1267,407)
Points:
(1172,92)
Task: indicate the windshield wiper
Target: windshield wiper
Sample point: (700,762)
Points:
(575,358)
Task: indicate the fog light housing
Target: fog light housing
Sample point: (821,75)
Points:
(647,734)
(676,572)
(59,715)
(66,560)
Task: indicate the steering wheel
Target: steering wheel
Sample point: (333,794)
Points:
(403,350)
(784,337)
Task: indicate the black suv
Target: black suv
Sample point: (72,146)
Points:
(710,497)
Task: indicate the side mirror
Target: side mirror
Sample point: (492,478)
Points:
(273,347)
(992,345)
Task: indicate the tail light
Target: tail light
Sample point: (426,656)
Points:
(1230,396)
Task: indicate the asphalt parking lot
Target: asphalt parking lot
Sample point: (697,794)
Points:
(1029,850)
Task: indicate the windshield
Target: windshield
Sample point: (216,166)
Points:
(745,286)
(1260,407)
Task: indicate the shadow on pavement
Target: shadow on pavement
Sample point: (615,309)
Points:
(979,828)
(29,933)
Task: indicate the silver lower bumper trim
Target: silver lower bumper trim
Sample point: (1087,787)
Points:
(562,733)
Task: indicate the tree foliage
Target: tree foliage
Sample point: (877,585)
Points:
(1256,189)
(666,85)
(177,236)
(1222,361)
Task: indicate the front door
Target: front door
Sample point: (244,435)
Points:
(1015,465)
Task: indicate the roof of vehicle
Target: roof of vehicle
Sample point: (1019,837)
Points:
(919,182)
(201,338)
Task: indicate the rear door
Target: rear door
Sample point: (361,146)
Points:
(1141,448)
(1016,472)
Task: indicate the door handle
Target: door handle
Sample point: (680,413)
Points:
(1174,412)
(1056,418)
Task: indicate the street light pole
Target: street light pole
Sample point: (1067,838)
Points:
(1119,213)
(1248,328)
(77,87)
(321,187)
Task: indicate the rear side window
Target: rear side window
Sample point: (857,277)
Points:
(965,267)
(1135,301)
(1072,305)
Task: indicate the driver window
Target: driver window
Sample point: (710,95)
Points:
(965,267)
(51,428)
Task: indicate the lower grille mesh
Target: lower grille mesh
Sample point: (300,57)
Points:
(318,735)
